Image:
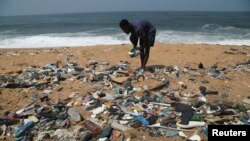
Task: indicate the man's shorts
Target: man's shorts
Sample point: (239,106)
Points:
(151,38)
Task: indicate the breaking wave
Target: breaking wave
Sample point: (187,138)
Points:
(61,40)
(204,38)
(93,38)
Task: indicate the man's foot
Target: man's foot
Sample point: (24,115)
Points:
(141,71)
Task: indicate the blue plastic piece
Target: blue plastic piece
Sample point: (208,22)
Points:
(22,138)
(205,130)
(20,131)
(142,120)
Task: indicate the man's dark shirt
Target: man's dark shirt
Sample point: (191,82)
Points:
(142,28)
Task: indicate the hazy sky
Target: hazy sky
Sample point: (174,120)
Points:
(33,7)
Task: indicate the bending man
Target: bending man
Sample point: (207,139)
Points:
(145,32)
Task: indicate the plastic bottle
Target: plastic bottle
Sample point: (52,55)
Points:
(91,126)
(21,131)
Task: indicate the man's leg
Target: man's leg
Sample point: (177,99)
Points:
(151,41)
(146,56)
(142,52)
(142,55)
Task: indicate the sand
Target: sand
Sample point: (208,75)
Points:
(236,86)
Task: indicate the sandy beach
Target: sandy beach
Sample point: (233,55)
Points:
(69,72)
(234,87)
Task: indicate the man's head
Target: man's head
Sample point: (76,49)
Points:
(125,26)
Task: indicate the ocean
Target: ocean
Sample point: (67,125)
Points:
(84,29)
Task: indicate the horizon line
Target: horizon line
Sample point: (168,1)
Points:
(115,11)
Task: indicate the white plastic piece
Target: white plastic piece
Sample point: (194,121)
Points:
(103,139)
(127,117)
(123,122)
(98,110)
(192,124)
(195,138)
(20,111)
(182,134)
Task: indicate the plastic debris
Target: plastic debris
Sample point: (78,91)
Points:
(162,102)
(74,114)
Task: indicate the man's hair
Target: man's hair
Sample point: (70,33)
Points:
(124,22)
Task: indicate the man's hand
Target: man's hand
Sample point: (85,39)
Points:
(134,52)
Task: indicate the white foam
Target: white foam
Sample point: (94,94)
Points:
(202,38)
(64,40)
(89,39)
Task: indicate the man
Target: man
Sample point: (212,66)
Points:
(143,30)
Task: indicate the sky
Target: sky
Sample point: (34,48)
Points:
(34,7)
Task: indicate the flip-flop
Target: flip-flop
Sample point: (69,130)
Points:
(191,124)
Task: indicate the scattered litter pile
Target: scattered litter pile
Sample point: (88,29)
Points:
(120,103)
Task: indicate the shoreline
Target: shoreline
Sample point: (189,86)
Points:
(121,44)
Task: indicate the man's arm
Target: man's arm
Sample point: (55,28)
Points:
(134,40)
